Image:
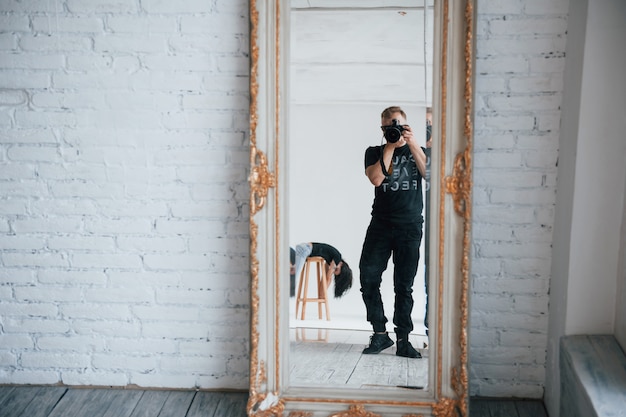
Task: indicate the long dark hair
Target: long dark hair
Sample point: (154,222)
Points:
(343,281)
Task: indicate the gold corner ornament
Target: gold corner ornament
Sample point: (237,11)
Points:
(266,404)
(357,410)
(261,410)
(444,407)
(459,184)
(261,180)
(301,414)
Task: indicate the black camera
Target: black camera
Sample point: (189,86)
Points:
(393,133)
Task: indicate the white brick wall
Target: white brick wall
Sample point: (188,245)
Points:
(123,193)
(520,47)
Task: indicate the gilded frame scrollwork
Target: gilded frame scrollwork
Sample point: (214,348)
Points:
(450,392)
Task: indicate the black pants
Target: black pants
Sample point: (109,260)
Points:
(381,241)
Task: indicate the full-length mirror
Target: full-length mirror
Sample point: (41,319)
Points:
(348,61)
(321,74)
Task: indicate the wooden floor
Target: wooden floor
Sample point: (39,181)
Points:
(482,407)
(334,358)
(344,365)
(84,402)
(31,401)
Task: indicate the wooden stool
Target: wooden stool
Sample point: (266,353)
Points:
(322,285)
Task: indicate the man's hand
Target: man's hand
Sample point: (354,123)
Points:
(416,149)
(407,136)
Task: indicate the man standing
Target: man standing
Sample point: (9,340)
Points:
(396,169)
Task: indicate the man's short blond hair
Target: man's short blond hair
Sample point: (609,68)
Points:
(389,111)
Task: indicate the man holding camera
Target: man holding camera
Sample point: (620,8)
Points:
(396,169)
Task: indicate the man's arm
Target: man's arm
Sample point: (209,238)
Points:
(375,171)
(420,158)
(416,150)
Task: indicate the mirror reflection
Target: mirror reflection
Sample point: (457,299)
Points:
(349,61)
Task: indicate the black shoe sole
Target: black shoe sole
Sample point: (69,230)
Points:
(419,355)
(374,352)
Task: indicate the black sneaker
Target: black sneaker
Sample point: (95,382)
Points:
(407,350)
(378,343)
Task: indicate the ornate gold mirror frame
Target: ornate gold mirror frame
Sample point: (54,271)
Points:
(270,393)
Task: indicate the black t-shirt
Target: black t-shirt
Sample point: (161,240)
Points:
(399,198)
(329,253)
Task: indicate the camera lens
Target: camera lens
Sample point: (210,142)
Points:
(393,134)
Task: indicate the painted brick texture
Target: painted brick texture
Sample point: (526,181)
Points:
(124,198)
(520,50)
(123,193)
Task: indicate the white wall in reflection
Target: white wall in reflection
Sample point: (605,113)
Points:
(346,67)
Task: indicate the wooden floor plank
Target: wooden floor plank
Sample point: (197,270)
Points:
(378,370)
(177,404)
(232,405)
(122,403)
(310,365)
(505,408)
(150,403)
(71,403)
(14,405)
(44,402)
(97,402)
(530,409)
(348,357)
(5,392)
(205,404)
(479,408)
